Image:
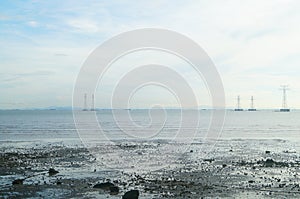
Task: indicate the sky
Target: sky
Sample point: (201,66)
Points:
(254,45)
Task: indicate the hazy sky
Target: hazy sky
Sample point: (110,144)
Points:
(254,44)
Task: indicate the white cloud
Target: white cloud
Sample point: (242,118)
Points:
(254,44)
(33,23)
(84,25)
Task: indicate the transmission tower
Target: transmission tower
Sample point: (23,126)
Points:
(252,105)
(284,108)
(85,103)
(238,104)
(93,103)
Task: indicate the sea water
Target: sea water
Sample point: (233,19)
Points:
(59,126)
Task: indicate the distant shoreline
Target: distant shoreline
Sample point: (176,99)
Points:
(132,109)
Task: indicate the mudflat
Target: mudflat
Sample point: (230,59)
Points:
(233,168)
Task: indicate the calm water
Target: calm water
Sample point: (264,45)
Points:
(58,126)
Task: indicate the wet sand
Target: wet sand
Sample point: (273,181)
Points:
(234,168)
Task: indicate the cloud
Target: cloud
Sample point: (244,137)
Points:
(83,25)
(21,76)
(254,44)
(33,24)
(3,17)
(60,54)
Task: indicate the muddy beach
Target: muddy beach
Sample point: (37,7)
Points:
(234,168)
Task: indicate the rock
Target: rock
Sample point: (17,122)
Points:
(210,160)
(268,152)
(278,180)
(282,185)
(52,171)
(289,151)
(251,181)
(191,151)
(114,190)
(133,194)
(104,185)
(269,163)
(18,181)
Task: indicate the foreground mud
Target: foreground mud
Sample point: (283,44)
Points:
(235,168)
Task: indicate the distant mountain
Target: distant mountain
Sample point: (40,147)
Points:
(67,108)
(58,108)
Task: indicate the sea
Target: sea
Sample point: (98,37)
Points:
(31,126)
(174,129)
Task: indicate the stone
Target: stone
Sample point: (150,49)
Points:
(104,185)
(52,171)
(18,182)
(269,163)
(133,194)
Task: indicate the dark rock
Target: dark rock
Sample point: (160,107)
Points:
(243,163)
(52,171)
(104,186)
(114,190)
(191,151)
(289,151)
(224,165)
(251,181)
(269,163)
(210,160)
(58,182)
(18,181)
(282,185)
(268,152)
(133,194)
